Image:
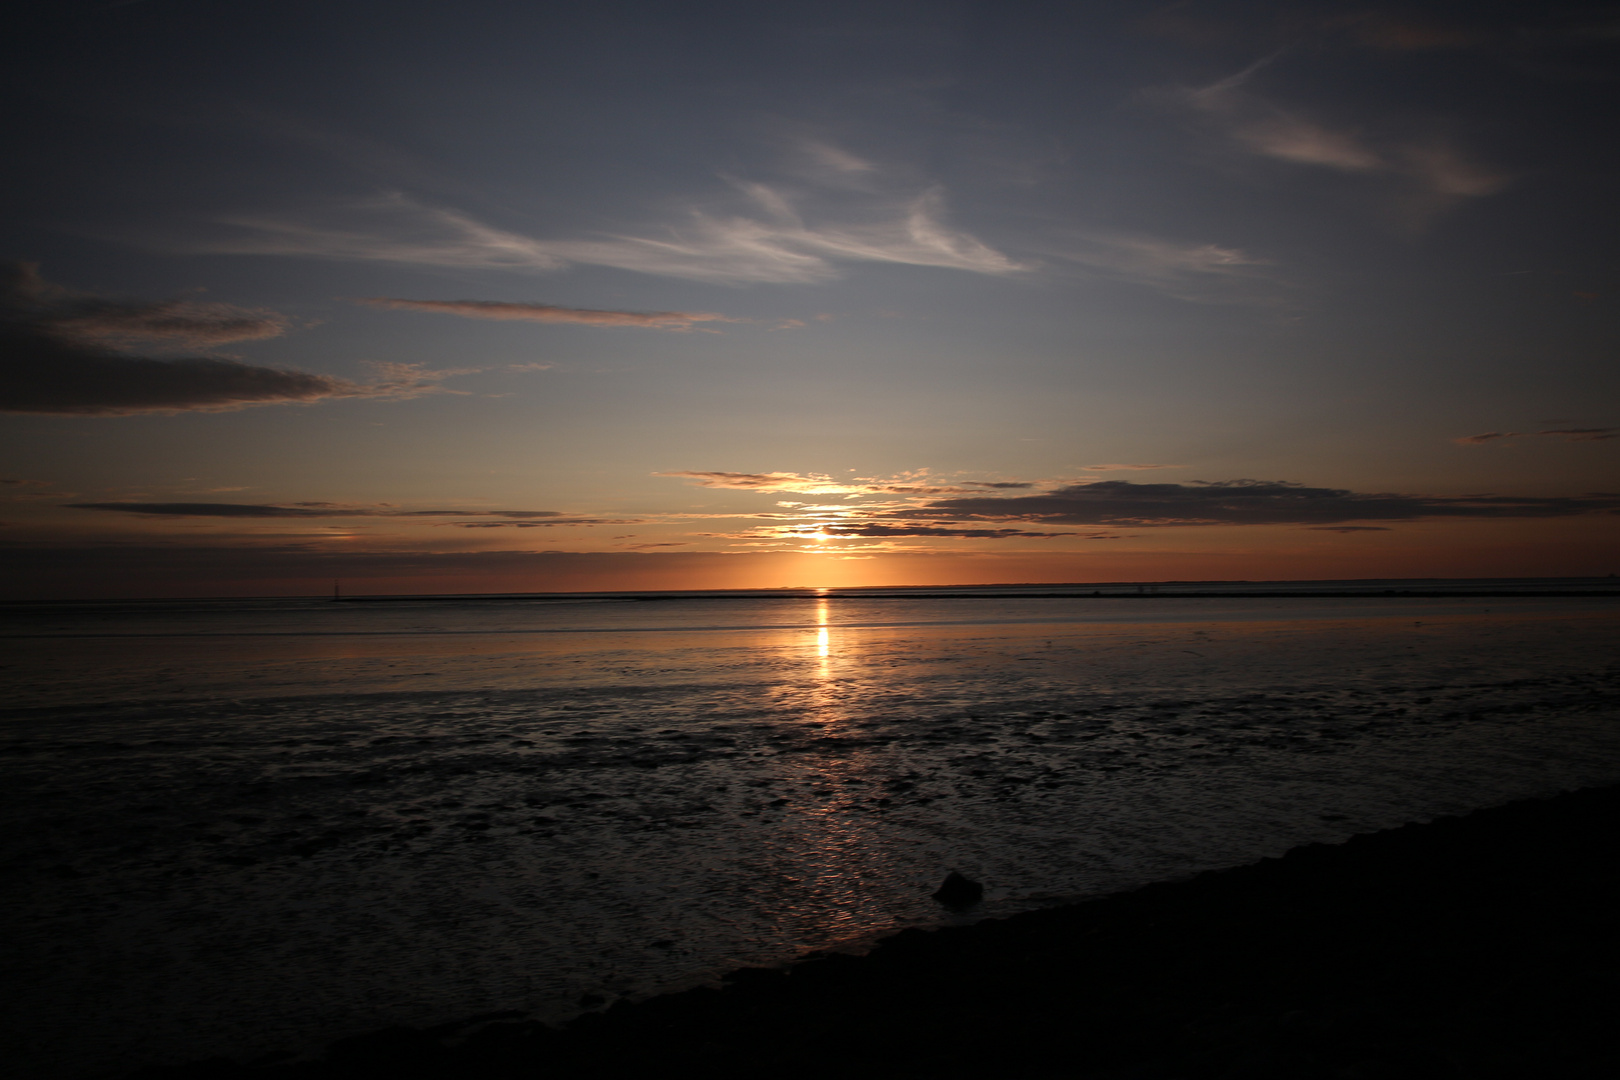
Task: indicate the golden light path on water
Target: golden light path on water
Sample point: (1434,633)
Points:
(837,858)
(823,640)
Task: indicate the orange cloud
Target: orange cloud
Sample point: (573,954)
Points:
(820,484)
(805,483)
(550,313)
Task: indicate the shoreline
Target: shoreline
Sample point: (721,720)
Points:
(1475,946)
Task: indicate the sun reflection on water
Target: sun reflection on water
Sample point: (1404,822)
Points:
(830,818)
(823,641)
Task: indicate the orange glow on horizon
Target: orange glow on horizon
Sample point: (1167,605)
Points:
(1581,547)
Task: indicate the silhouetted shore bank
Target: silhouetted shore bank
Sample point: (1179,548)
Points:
(1483,946)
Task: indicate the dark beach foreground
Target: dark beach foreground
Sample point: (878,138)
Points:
(1482,946)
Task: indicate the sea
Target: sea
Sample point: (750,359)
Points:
(248,827)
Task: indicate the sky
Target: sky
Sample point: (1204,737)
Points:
(499,296)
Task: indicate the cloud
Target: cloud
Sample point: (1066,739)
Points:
(56,357)
(773,245)
(399,230)
(1246,502)
(33,491)
(877,529)
(1114,468)
(821,484)
(831,158)
(1428,165)
(69,315)
(176,322)
(1290,138)
(806,483)
(300,510)
(1348,528)
(1272,131)
(921,511)
(549,313)
(1200,273)
(1566,434)
(542,524)
(1447,172)
(1583,434)
(41,375)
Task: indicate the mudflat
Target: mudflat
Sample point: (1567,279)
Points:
(1478,946)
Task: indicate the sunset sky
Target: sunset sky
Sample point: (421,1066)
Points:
(496,296)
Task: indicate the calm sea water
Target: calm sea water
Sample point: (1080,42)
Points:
(245,827)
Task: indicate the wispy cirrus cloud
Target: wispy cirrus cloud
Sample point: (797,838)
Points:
(1273,131)
(828,159)
(1432,169)
(59,355)
(550,313)
(1599,434)
(1200,273)
(773,244)
(390,227)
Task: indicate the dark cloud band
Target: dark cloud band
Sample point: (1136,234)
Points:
(55,357)
(297,510)
(41,375)
(1594,434)
(1248,502)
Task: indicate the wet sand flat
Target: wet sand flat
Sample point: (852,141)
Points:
(1482,946)
(220,865)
